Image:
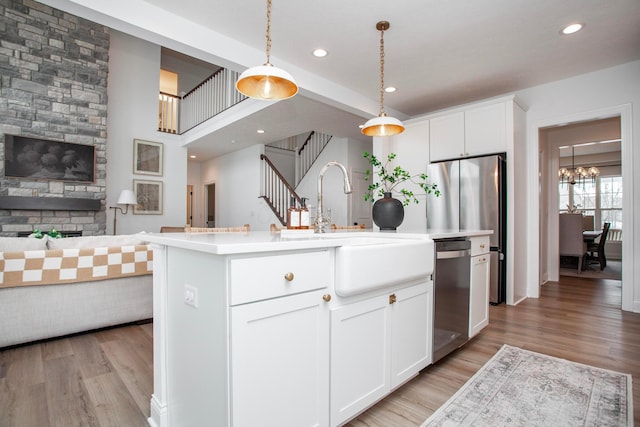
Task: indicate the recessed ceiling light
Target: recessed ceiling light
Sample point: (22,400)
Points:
(320,52)
(390,89)
(193,156)
(260,131)
(572,28)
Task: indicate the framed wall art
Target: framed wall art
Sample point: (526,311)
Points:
(148,196)
(36,158)
(147,157)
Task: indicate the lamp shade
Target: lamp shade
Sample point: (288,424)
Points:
(383,126)
(266,82)
(127,198)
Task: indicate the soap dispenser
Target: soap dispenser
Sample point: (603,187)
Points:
(304,214)
(293,215)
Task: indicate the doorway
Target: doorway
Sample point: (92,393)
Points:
(210,204)
(190,205)
(600,141)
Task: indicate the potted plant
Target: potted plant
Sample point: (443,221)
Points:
(388,212)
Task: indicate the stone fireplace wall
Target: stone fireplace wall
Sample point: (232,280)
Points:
(53,86)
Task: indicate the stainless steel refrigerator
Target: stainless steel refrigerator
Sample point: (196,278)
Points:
(474,197)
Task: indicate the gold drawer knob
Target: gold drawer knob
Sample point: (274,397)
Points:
(288,277)
(326,297)
(482,246)
(392,298)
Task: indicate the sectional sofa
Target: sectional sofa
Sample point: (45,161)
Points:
(55,287)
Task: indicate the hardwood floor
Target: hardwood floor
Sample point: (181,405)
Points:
(105,378)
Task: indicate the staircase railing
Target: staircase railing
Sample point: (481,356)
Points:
(209,98)
(309,152)
(276,191)
(168,113)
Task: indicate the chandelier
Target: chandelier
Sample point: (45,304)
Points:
(382,125)
(577,174)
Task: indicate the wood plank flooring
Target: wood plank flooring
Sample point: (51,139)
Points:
(105,378)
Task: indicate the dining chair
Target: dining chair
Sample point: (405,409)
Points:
(244,228)
(347,227)
(571,240)
(595,250)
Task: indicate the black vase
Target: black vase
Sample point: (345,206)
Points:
(388,212)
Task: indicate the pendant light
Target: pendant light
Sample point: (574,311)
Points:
(382,125)
(266,81)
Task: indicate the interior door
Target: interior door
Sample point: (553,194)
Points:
(210,191)
(360,210)
(189,205)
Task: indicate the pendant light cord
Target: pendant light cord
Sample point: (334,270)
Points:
(382,113)
(268,35)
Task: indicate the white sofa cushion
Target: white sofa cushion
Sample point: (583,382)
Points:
(17,244)
(94,242)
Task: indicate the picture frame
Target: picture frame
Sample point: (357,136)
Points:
(149,197)
(148,157)
(43,159)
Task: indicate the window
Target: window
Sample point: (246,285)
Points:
(611,200)
(601,198)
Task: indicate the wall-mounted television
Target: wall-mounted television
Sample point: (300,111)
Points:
(36,158)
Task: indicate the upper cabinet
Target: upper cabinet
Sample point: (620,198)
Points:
(472,132)
(446,137)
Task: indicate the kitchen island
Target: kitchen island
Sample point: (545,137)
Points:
(285,329)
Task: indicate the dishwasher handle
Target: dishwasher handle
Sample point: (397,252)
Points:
(453,254)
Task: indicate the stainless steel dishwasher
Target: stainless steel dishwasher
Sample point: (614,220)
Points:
(451,295)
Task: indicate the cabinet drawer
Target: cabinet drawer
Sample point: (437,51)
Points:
(480,245)
(259,278)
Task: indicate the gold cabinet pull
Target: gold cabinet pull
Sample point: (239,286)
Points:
(392,298)
(482,246)
(288,277)
(326,297)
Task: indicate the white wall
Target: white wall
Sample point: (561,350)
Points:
(600,94)
(133,84)
(284,161)
(237,179)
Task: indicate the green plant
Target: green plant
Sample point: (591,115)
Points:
(389,177)
(55,234)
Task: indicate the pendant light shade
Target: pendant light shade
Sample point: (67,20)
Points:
(266,81)
(382,125)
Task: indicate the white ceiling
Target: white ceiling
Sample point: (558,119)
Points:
(439,53)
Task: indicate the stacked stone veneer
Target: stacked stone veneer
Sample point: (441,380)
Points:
(53,68)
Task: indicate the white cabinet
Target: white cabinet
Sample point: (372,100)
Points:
(411,332)
(474,131)
(446,137)
(485,129)
(251,346)
(279,339)
(377,344)
(280,362)
(479,286)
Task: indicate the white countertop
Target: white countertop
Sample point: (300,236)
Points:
(266,241)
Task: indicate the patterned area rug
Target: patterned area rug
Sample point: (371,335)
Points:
(519,387)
